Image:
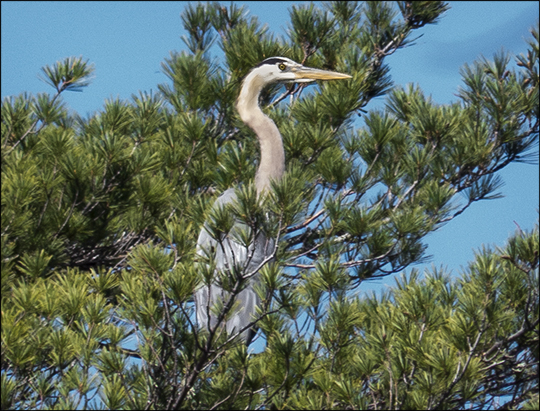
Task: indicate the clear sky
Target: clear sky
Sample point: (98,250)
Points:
(127,41)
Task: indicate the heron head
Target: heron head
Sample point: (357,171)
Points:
(282,69)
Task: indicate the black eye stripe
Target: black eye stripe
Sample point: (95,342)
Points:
(271,61)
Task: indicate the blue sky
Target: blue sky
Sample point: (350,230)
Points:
(127,41)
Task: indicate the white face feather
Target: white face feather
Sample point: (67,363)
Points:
(272,70)
(275,69)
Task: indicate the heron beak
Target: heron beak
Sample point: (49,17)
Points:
(307,74)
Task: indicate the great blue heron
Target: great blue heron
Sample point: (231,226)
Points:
(229,253)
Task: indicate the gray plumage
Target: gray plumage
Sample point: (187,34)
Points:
(228,252)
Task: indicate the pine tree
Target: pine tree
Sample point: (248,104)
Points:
(100,218)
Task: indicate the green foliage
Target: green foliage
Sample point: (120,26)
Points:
(100,218)
(73,74)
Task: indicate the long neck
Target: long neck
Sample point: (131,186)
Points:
(272,163)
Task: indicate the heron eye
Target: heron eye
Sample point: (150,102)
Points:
(282,66)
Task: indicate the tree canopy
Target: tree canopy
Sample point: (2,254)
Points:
(100,218)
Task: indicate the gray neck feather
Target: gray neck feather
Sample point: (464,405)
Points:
(272,163)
